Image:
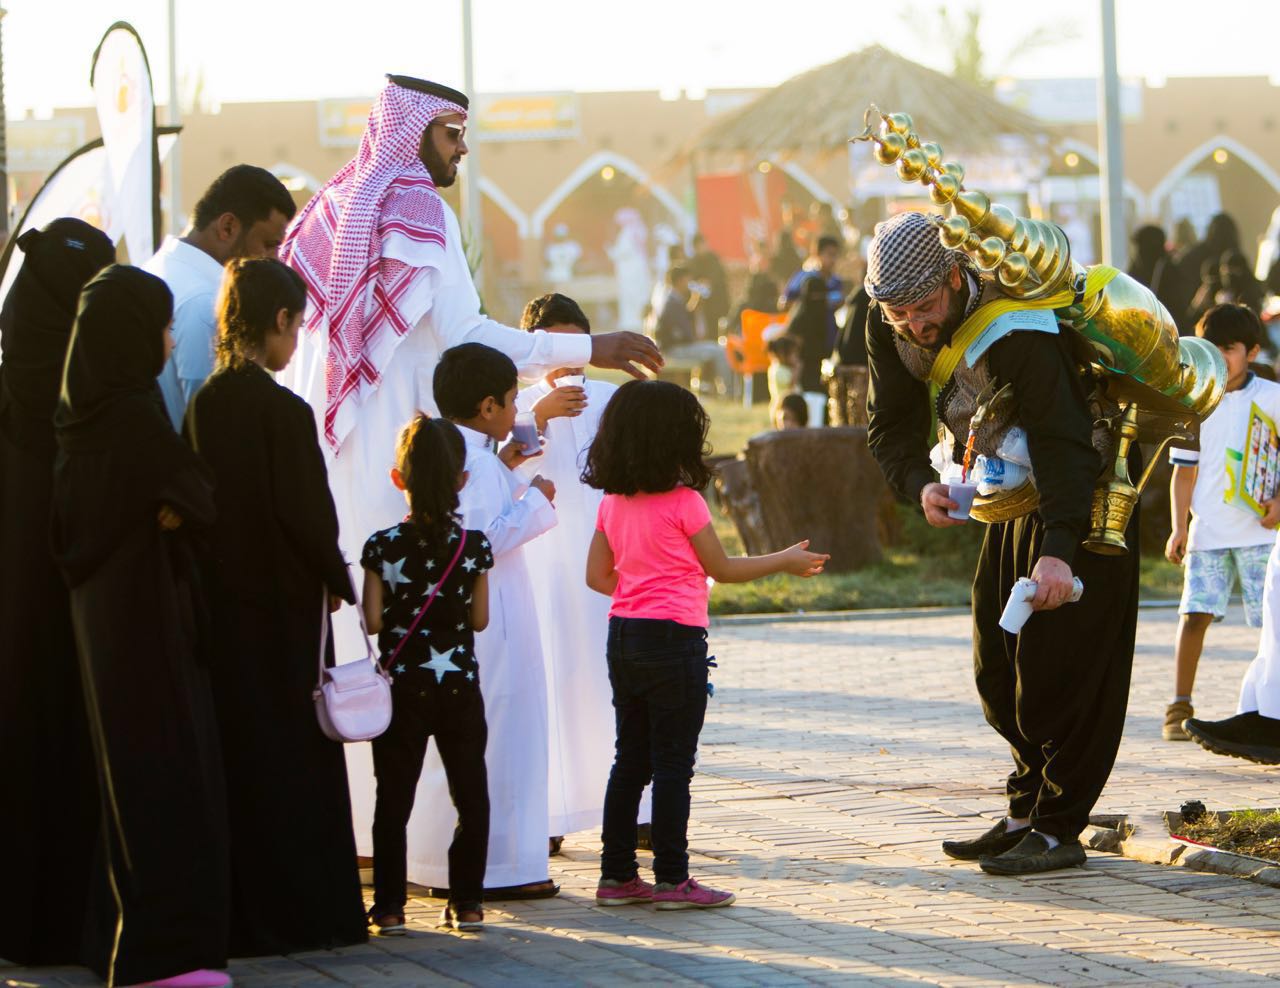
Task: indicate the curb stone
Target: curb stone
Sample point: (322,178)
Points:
(1146,838)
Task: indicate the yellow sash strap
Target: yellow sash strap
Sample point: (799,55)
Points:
(949,357)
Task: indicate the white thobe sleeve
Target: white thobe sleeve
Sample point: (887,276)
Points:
(487,507)
(456,316)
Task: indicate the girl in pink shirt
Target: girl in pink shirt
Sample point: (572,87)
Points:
(653,550)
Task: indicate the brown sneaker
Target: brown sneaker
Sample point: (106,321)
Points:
(1174,715)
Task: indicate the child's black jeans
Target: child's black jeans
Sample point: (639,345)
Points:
(422,710)
(658,670)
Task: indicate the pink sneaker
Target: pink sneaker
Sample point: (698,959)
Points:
(192,979)
(614,893)
(689,895)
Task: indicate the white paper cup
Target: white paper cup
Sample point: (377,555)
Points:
(963,495)
(572,381)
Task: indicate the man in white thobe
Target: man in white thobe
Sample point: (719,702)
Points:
(389,290)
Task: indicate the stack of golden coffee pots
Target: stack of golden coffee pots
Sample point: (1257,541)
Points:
(1158,382)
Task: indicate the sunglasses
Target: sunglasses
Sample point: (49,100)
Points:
(456,130)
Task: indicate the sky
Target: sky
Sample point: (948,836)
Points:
(304,49)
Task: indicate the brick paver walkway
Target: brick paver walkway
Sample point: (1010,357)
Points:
(837,755)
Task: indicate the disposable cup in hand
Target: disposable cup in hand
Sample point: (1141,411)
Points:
(1017,609)
(572,381)
(525,432)
(963,495)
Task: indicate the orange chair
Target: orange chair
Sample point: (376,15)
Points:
(747,353)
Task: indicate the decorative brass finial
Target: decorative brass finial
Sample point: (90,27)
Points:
(1030,258)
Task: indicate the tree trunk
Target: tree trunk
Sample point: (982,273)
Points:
(815,484)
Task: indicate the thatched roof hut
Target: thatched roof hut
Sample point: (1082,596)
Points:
(819,110)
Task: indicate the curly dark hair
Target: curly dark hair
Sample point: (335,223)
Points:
(652,438)
(254,290)
(430,455)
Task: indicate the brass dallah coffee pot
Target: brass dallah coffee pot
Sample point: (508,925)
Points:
(1158,382)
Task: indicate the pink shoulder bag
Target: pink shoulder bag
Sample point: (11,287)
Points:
(353,700)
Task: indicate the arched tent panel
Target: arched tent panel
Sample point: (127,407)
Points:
(593,167)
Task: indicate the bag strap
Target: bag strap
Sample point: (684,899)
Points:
(324,630)
(462,540)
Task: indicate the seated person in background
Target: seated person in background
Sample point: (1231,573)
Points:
(676,334)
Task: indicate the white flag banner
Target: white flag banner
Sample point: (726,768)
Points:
(79,187)
(121,80)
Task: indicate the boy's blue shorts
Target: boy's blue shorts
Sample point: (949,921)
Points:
(1209,574)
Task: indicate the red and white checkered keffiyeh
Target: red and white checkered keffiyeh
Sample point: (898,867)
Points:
(365,244)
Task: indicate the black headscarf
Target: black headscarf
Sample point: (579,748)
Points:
(118,451)
(35,323)
(808,323)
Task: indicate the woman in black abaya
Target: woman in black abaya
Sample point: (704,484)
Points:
(46,764)
(128,495)
(273,562)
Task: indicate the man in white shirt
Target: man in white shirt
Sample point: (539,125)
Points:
(242,214)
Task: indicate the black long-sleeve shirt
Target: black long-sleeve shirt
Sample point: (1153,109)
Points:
(1049,404)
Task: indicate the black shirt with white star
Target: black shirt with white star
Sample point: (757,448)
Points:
(441,651)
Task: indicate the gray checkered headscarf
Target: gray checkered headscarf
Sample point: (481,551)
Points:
(907,260)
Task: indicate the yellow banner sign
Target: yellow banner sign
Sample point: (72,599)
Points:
(525,116)
(341,121)
(40,145)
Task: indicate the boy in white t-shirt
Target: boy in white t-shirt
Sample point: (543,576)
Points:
(1224,541)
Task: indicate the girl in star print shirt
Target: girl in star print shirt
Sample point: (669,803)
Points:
(435,680)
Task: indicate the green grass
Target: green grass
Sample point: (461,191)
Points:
(928,568)
(1255,832)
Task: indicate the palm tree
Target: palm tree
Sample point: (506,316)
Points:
(959,35)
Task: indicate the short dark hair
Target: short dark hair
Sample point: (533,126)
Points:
(797,406)
(554,309)
(253,290)
(467,375)
(248,192)
(826,240)
(430,454)
(1231,323)
(652,438)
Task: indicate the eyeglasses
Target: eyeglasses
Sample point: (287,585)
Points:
(456,130)
(923,311)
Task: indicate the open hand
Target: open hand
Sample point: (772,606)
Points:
(168,518)
(566,402)
(799,561)
(936,501)
(622,351)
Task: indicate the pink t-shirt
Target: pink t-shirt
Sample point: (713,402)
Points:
(659,575)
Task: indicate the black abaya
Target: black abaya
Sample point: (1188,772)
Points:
(273,554)
(46,764)
(162,868)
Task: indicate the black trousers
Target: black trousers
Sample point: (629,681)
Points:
(456,721)
(1057,691)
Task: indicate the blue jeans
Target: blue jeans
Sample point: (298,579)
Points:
(658,670)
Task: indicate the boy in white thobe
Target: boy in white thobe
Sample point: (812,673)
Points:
(475,386)
(574,620)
